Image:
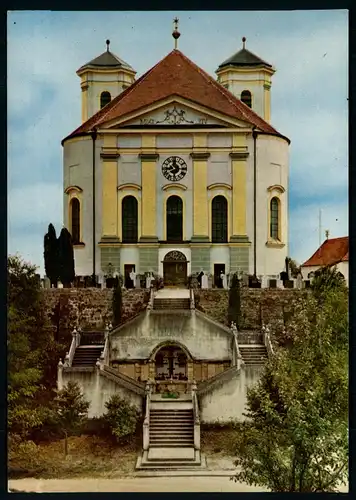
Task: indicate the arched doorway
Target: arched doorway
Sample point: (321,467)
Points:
(171,363)
(175,269)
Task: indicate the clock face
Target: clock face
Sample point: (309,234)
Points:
(174,168)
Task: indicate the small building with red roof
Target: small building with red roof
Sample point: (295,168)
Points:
(334,252)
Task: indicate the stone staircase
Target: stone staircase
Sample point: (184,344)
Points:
(170,304)
(171,437)
(86,355)
(253,354)
(171,428)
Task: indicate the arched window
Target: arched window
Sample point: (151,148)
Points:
(129,220)
(174,219)
(105,98)
(274,218)
(246,98)
(219,219)
(75,220)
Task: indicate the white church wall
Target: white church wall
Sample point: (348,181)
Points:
(252,82)
(98,390)
(227,400)
(219,140)
(129,141)
(78,170)
(138,339)
(219,169)
(129,169)
(129,255)
(174,141)
(272,168)
(186,195)
(219,254)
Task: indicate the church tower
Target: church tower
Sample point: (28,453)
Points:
(102,79)
(248,77)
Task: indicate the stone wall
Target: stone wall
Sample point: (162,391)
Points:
(91,308)
(257,305)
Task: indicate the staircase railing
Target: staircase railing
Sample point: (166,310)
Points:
(237,356)
(92,338)
(196,416)
(105,353)
(191,296)
(151,299)
(207,384)
(146,422)
(68,360)
(123,380)
(267,340)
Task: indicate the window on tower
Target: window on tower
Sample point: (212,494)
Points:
(219,219)
(105,98)
(129,220)
(174,219)
(75,220)
(274,218)
(246,98)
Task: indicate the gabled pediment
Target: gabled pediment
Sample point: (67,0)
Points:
(176,112)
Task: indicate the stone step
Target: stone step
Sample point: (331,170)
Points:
(169,445)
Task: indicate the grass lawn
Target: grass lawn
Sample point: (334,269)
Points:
(91,456)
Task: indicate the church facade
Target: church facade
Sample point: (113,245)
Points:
(177,172)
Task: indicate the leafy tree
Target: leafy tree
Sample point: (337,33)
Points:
(31,350)
(326,279)
(296,437)
(234,309)
(66,258)
(121,417)
(26,335)
(51,255)
(117,304)
(71,409)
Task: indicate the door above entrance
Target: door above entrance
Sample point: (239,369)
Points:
(175,269)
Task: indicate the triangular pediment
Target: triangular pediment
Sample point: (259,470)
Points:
(177,112)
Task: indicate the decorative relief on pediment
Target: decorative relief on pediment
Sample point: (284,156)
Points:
(173,116)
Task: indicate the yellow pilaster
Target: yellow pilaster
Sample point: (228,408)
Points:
(148,182)
(200,218)
(238,158)
(84,87)
(109,188)
(200,177)
(267,101)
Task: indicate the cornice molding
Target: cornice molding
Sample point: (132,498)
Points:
(239,156)
(276,187)
(174,186)
(75,189)
(200,156)
(219,185)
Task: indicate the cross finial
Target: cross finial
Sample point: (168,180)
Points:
(327,232)
(243,42)
(107,45)
(176,33)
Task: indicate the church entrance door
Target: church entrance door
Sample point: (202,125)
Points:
(175,269)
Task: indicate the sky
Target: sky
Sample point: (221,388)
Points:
(309,103)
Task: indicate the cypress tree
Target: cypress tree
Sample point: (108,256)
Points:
(234,311)
(66,258)
(51,255)
(117,303)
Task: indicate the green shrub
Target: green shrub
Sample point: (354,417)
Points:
(121,417)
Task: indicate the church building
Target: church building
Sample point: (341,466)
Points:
(177,172)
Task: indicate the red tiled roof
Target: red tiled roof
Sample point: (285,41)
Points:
(331,252)
(175,75)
